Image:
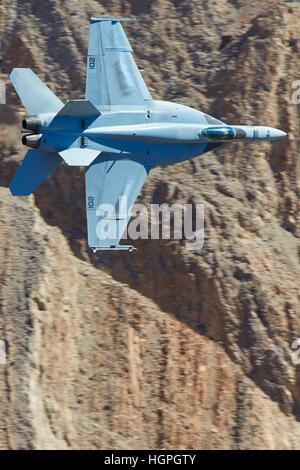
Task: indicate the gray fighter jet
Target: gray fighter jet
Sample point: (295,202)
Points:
(118,133)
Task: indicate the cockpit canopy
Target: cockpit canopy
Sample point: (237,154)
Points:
(218,133)
(222,133)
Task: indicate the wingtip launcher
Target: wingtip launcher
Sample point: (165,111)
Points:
(93,19)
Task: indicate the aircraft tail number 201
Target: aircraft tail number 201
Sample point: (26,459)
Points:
(92,62)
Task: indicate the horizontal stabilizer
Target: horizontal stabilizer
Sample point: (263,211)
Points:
(78,156)
(34,94)
(34,169)
(79,108)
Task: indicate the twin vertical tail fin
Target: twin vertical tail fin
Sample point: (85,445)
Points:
(34,169)
(37,99)
(34,94)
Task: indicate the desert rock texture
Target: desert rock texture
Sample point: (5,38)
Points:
(165,348)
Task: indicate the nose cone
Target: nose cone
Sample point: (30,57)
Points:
(276,133)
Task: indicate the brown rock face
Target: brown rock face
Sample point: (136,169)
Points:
(165,348)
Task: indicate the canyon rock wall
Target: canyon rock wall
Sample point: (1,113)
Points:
(166,347)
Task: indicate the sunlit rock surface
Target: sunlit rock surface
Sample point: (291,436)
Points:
(163,348)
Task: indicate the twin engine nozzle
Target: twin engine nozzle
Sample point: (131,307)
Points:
(32,140)
(32,123)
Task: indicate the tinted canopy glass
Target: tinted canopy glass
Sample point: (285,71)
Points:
(218,133)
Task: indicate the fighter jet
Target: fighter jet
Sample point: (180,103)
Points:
(119,132)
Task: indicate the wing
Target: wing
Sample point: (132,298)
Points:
(111,189)
(112,75)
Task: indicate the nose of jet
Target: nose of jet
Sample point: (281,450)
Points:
(276,133)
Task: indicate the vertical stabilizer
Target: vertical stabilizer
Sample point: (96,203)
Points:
(34,94)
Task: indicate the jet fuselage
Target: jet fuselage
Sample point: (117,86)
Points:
(165,133)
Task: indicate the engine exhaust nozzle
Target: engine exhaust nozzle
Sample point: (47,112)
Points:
(32,140)
(31,123)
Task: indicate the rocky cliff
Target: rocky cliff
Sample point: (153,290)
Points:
(163,348)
